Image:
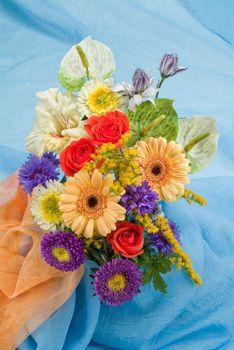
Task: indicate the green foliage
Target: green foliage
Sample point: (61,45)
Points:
(153,266)
(154,120)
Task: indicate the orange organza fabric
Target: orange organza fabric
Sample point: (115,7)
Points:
(30,290)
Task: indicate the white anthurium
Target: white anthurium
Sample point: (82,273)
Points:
(57,123)
(98,58)
(198,135)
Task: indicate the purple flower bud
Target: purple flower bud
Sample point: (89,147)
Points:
(140,80)
(169,66)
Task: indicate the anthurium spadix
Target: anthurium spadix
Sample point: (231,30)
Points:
(198,136)
(87,59)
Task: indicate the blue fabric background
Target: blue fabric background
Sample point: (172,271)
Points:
(34,36)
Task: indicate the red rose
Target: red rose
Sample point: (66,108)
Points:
(107,128)
(76,155)
(127,239)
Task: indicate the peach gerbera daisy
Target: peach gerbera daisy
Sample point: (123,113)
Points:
(164,166)
(88,206)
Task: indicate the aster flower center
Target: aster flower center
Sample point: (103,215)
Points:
(61,254)
(49,206)
(91,204)
(117,282)
(102,100)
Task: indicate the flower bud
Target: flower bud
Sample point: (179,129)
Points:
(140,80)
(169,66)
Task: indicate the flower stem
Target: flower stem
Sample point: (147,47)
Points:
(159,85)
(64,178)
(93,254)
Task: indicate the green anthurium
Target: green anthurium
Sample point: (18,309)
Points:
(198,136)
(154,120)
(90,58)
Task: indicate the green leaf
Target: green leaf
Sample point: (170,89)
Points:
(159,283)
(154,120)
(147,276)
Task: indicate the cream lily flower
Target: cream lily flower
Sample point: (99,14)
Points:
(57,123)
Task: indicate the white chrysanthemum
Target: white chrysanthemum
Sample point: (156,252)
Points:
(98,97)
(45,205)
(58,121)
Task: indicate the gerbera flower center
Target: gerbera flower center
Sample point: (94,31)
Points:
(92,201)
(103,100)
(49,206)
(61,254)
(156,170)
(91,204)
(117,282)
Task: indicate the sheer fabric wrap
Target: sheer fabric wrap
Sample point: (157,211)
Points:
(30,290)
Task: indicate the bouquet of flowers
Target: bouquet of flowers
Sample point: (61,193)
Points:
(103,158)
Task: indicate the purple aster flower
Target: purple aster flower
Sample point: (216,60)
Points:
(38,170)
(117,281)
(142,198)
(160,243)
(140,80)
(51,157)
(169,66)
(63,250)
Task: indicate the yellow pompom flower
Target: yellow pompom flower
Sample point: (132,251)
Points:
(191,197)
(184,261)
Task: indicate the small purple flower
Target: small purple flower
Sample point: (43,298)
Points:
(142,198)
(38,170)
(169,66)
(62,250)
(52,158)
(160,243)
(140,80)
(140,91)
(117,281)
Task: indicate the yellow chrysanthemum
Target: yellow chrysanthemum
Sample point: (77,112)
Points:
(102,100)
(45,205)
(164,166)
(97,97)
(88,206)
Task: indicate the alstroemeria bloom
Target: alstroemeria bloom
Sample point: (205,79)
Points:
(141,89)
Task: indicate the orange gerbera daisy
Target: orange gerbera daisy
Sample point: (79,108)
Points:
(164,166)
(88,206)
